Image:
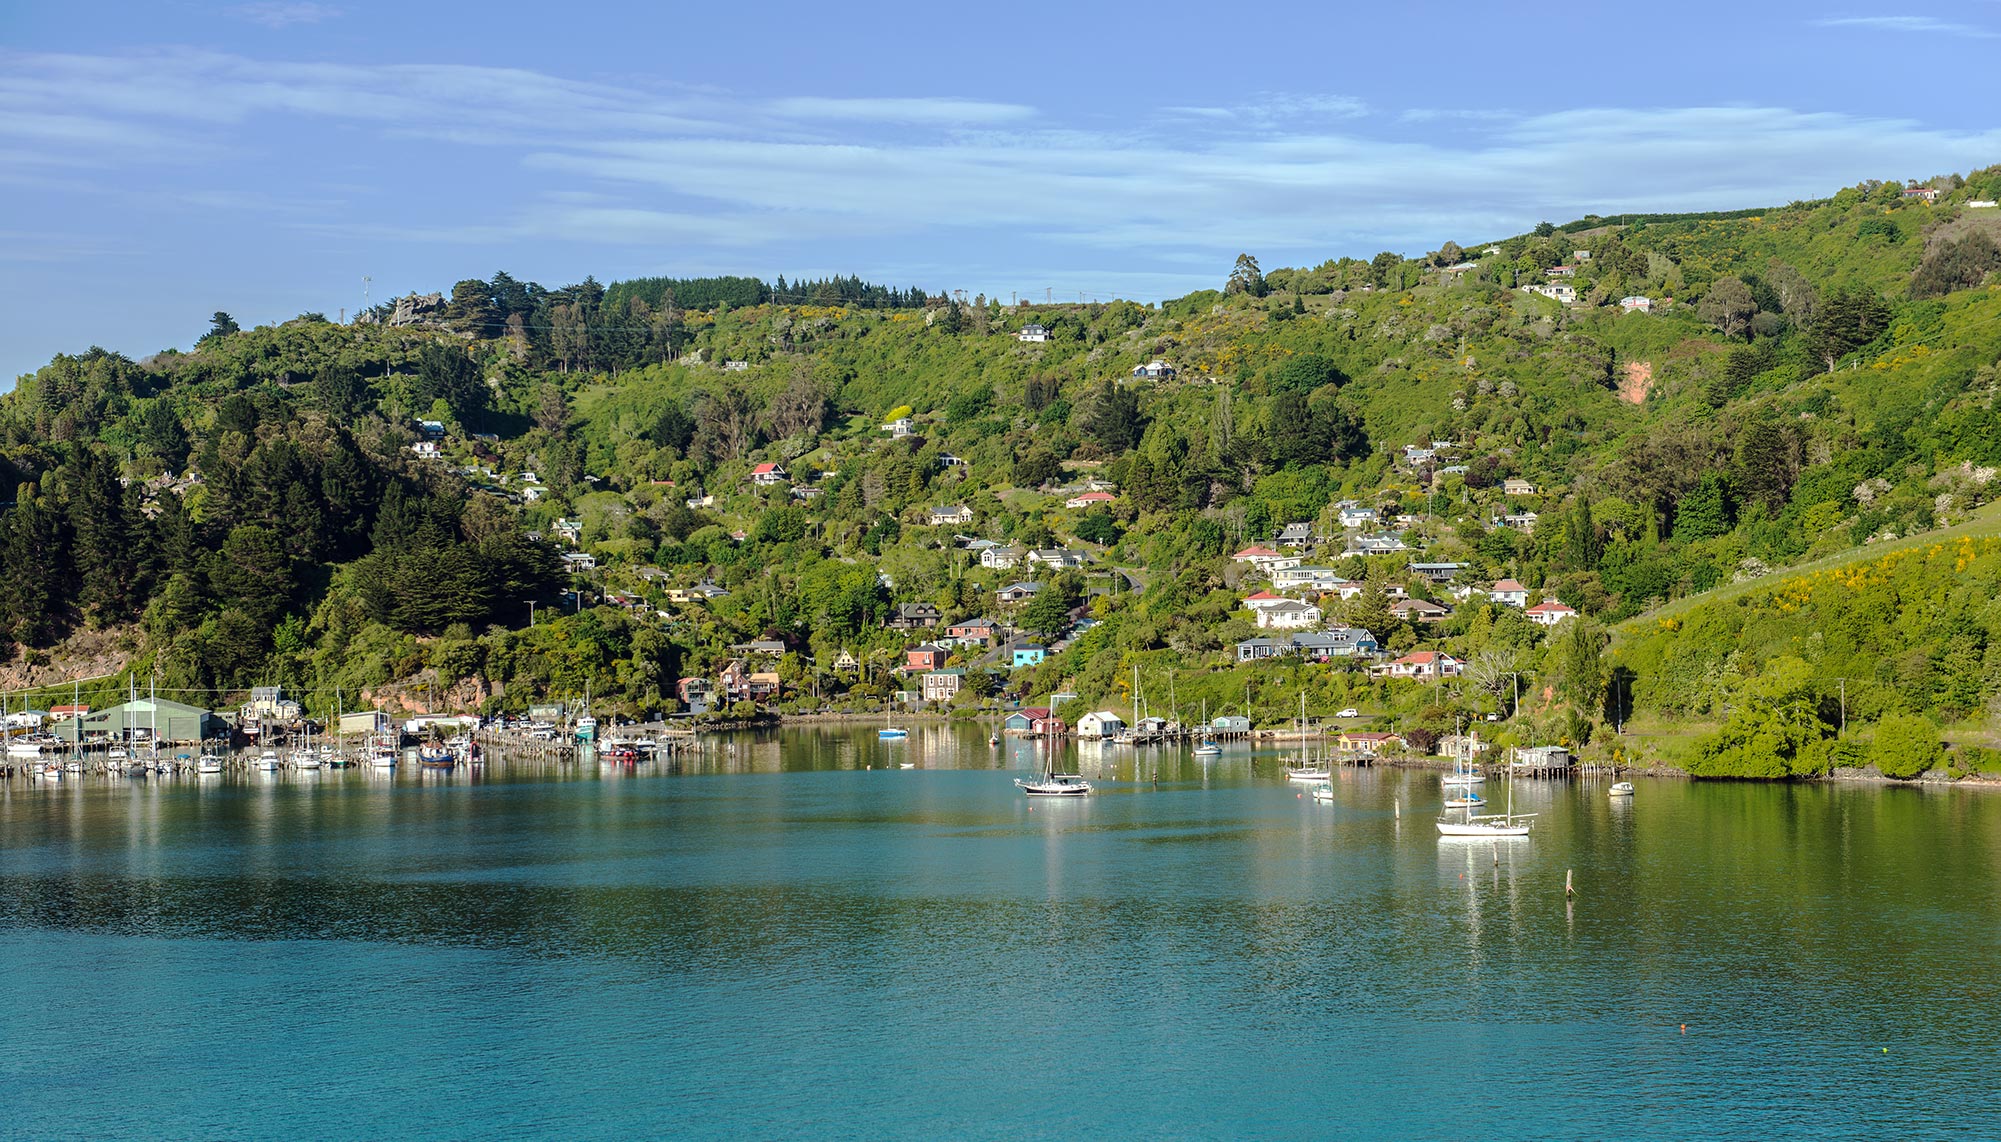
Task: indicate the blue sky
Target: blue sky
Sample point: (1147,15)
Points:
(159,161)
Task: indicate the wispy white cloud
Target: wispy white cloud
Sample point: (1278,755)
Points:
(1926,24)
(693,170)
(286,13)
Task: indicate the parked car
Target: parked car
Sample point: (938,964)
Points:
(1350,712)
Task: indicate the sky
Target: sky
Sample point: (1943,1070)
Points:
(163,160)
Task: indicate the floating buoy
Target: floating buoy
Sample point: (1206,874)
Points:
(1684,1028)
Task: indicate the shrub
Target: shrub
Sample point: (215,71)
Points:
(1905,745)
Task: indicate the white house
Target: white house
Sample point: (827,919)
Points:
(1307,579)
(900,427)
(953,514)
(768,475)
(1089,499)
(579,561)
(1562,293)
(1289,615)
(1637,304)
(1056,557)
(1295,535)
(1155,370)
(428,449)
(1516,486)
(1549,612)
(1000,558)
(1509,593)
(1032,332)
(1423,665)
(1099,724)
(1355,516)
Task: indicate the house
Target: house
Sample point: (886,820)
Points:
(1056,557)
(764,686)
(1437,572)
(914,616)
(1561,271)
(1001,558)
(1262,599)
(947,460)
(1462,745)
(1423,665)
(531,495)
(697,694)
(1307,579)
(1354,516)
(696,503)
(1580,255)
(1516,486)
(768,475)
(1230,724)
(1254,649)
(1340,642)
(1419,611)
(1266,560)
(1365,743)
(1155,370)
(26,719)
(1637,304)
(1549,612)
(1089,500)
(1029,654)
(951,515)
(1289,615)
(432,428)
(770,647)
(972,630)
(1295,535)
(1916,193)
(1100,724)
(1033,333)
(1387,544)
(735,366)
(805,492)
(1523,522)
(1561,293)
(1509,593)
(428,449)
(899,428)
(941,685)
(575,561)
(1015,593)
(976,546)
(846,663)
(925,656)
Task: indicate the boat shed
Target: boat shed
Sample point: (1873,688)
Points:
(1100,724)
(176,722)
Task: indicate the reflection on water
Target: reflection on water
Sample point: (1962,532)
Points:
(898,947)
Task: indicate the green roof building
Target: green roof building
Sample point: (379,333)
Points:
(176,722)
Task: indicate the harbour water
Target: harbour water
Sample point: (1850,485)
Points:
(792,935)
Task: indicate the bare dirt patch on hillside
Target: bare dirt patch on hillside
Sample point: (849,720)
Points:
(1638,382)
(84,655)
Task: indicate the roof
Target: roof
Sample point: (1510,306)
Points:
(1255,552)
(1263,596)
(1508,585)
(1030,587)
(1551,607)
(1096,497)
(764,469)
(1425,657)
(927,648)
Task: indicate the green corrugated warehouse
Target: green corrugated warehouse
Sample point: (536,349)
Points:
(176,722)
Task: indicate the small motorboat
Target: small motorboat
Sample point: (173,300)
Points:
(267,761)
(305,759)
(437,758)
(208,763)
(1324,794)
(50,772)
(1622,789)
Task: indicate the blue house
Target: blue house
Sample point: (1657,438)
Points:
(1029,654)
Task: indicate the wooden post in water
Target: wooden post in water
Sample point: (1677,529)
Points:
(1568,890)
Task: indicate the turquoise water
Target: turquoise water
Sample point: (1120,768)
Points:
(771,939)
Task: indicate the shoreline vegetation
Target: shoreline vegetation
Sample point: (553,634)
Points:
(1710,492)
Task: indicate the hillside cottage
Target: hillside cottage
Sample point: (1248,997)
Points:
(923,657)
(941,685)
(914,616)
(951,516)
(1155,370)
(1422,665)
(1029,654)
(1321,579)
(1056,558)
(972,630)
(1295,535)
(1549,612)
(1509,593)
(1636,304)
(1419,611)
(1354,516)
(768,475)
(1033,334)
(1516,486)
(1364,743)
(1089,500)
(1437,572)
(1288,615)
(1001,558)
(1016,593)
(1257,649)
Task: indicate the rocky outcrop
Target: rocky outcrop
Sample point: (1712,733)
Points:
(416,309)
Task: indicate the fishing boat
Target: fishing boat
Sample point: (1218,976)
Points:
(1052,783)
(437,757)
(50,771)
(381,754)
(208,763)
(1508,824)
(267,760)
(1622,789)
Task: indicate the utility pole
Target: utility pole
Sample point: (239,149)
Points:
(1843,731)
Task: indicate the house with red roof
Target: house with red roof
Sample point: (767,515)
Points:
(768,475)
(1549,612)
(1509,593)
(1089,499)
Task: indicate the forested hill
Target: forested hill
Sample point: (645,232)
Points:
(1698,399)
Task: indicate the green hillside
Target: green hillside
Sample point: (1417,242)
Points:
(1797,384)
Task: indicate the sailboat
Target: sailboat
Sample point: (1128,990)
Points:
(304,757)
(1051,783)
(1207,747)
(888,732)
(1509,824)
(1308,769)
(1461,790)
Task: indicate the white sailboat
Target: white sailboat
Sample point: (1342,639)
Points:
(1509,824)
(1310,770)
(1207,747)
(1052,783)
